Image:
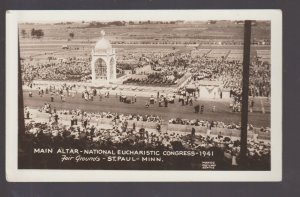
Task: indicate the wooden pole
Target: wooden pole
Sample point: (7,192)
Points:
(244,118)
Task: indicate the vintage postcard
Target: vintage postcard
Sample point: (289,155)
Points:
(136,95)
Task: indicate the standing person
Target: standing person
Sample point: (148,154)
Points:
(193,133)
(233,159)
(191,101)
(197,107)
(75,120)
(158,127)
(213,108)
(187,100)
(135,98)
(211,125)
(252,103)
(180,98)
(125,124)
(50,116)
(52,97)
(56,118)
(86,96)
(72,120)
(202,109)
(208,132)
(142,132)
(63,98)
(85,123)
(157,95)
(151,100)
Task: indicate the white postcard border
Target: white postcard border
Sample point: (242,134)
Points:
(13,174)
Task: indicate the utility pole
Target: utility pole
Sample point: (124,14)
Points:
(245,92)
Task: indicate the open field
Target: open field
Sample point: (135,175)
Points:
(172,32)
(137,39)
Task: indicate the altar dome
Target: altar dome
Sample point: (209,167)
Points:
(102,44)
(103,62)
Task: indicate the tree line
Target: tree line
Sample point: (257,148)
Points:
(35,33)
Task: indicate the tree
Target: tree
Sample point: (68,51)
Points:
(23,32)
(32,32)
(38,33)
(71,35)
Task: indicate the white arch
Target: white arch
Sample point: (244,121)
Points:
(101,68)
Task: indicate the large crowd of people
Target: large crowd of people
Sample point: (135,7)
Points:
(206,123)
(69,69)
(166,69)
(77,114)
(85,117)
(229,72)
(85,136)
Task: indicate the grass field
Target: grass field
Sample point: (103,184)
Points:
(165,38)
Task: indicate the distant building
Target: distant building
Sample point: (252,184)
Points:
(65,47)
(211,22)
(239,22)
(254,23)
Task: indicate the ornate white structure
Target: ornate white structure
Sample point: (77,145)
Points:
(104,69)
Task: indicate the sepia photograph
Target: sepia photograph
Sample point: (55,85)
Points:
(149,93)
